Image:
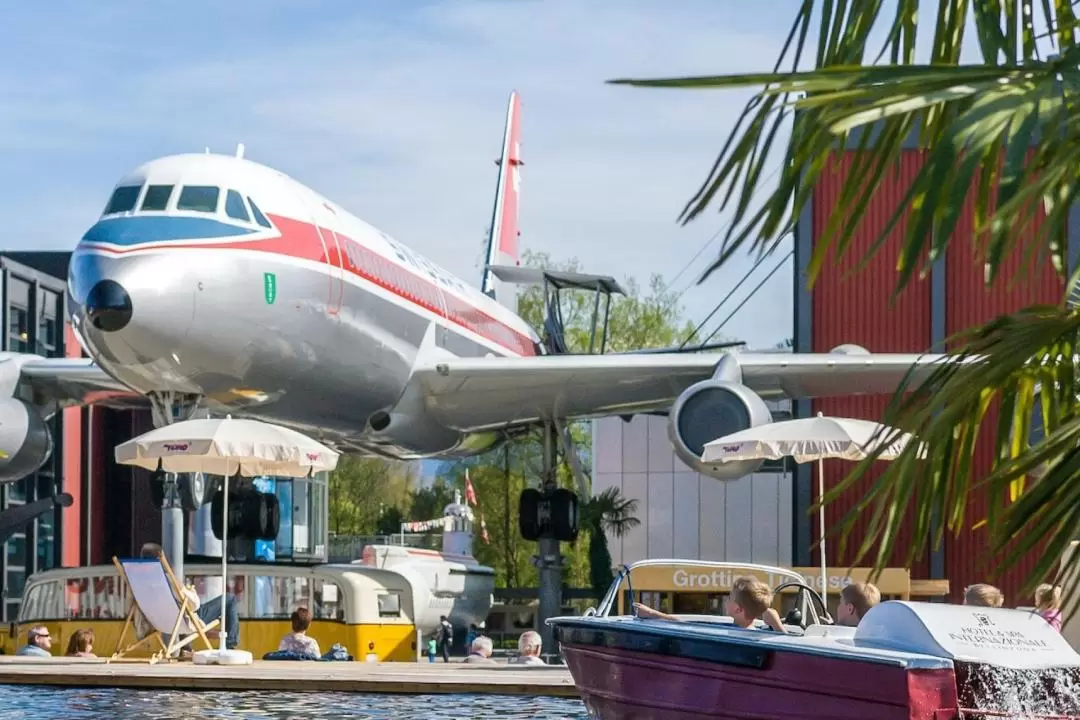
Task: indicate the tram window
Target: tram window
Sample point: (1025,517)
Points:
(123,199)
(31,604)
(234,206)
(326,601)
(390,604)
(259,217)
(157,197)
(277,597)
(201,198)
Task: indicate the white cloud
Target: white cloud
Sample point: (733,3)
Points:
(399,117)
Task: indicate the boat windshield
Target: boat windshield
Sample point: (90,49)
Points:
(695,590)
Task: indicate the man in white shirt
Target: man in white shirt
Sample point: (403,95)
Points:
(529,646)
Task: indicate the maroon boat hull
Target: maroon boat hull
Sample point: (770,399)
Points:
(621,684)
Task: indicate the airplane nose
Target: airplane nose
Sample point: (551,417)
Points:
(108,306)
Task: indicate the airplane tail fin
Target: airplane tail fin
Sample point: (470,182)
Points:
(503,239)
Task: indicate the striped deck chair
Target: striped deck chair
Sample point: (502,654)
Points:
(163,604)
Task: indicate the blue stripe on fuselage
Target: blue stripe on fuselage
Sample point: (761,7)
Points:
(160,228)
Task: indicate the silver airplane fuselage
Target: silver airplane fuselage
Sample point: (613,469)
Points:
(218,277)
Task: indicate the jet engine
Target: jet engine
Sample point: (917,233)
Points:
(711,409)
(25,440)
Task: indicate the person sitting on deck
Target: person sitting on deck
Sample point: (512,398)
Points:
(298,641)
(856,599)
(207,611)
(983,595)
(480,651)
(749,599)
(38,642)
(81,644)
(529,646)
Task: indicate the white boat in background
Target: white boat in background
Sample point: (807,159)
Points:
(453,582)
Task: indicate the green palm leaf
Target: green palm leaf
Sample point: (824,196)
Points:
(1003,134)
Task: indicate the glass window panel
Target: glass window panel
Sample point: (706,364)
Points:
(259,217)
(326,600)
(123,199)
(234,206)
(15,581)
(284,542)
(389,605)
(16,491)
(278,597)
(202,198)
(157,197)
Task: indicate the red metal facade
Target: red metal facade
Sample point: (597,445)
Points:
(970,302)
(853,306)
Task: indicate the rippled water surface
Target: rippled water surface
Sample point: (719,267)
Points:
(31,703)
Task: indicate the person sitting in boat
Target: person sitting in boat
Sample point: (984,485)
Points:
(1048,604)
(856,599)
(748,600)
(38,642)
(298,640)
(529,646)
(983,595)
(480,651)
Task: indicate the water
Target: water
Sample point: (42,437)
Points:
(1019,693)
(36,703)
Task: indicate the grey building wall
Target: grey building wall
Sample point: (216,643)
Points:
(685,514)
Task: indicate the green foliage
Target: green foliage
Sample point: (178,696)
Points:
(428,502)
(600,565)
(606,512)
(1008,127)
(636,321)
(361,489)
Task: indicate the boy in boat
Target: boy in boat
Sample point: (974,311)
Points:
(983,595)
(856,599)
(748,600)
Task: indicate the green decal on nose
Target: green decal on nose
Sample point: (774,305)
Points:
(270,287)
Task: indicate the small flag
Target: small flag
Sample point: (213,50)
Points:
(470,494)
(483,530)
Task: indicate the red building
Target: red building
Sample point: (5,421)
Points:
(854,307)
(113,511)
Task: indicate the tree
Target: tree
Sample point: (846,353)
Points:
(977,124)
(635,321)
(428,502)
(606,512)
(360,491)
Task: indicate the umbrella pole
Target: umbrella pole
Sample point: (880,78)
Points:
(224,553)
(821,524)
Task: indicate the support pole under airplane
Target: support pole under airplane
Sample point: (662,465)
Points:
(549,560)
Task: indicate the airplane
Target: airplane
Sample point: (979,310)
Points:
(214,283)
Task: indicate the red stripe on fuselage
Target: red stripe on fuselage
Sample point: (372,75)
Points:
(301,240)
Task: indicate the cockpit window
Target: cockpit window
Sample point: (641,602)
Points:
(259,217)
(201,198)
(157,197)
(234,206)
(123,199)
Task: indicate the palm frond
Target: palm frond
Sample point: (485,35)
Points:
(965,115)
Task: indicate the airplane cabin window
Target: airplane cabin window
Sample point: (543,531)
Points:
(259,217)
(123,199)
(157,197)
(234,206)
(201,198)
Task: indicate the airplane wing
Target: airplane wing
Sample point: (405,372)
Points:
(63,382)
(473,394)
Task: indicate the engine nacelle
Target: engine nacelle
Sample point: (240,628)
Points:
(25,440)
(711,409)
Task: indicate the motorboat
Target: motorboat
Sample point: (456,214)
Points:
(904,661)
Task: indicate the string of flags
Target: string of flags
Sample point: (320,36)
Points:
(446,524)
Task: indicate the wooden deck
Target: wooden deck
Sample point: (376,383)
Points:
(357,677)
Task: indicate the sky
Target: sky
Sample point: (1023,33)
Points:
(395,111)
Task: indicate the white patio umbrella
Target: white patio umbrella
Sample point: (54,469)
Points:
(227,447)
(805,440)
